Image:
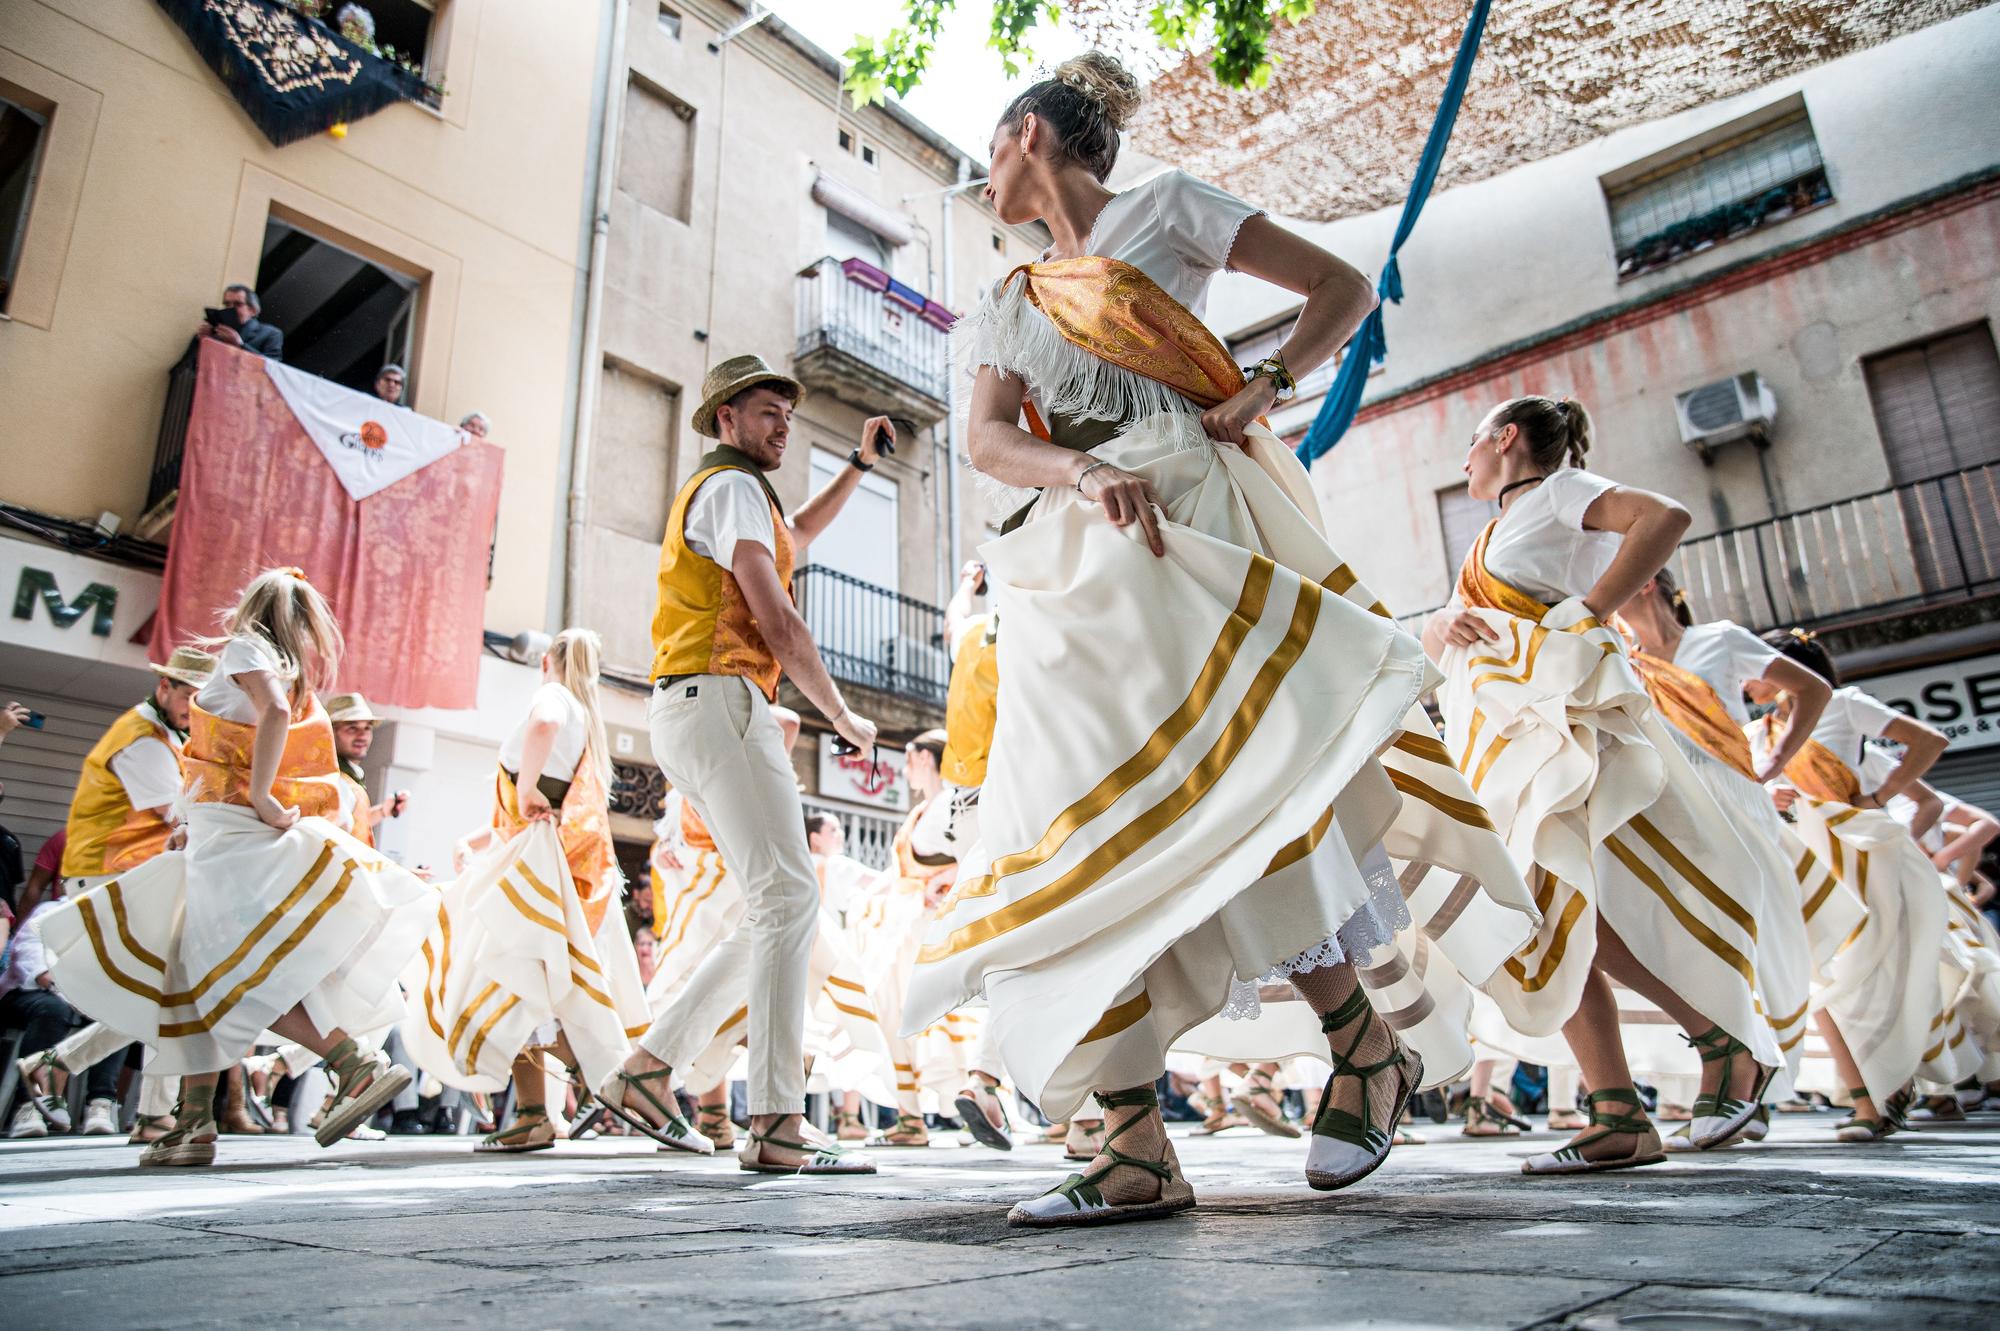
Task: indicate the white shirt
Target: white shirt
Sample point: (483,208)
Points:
(551,700)
(1726,656)
(26,959)
(1850,720)
(729,507)
(1176,229)
(149,768)
(1540,546)
(220,696)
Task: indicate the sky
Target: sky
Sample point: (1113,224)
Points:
(965,89)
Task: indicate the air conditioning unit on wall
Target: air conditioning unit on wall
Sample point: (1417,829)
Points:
(1739,407)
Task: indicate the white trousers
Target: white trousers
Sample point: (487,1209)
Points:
(717,742)
(86,1047)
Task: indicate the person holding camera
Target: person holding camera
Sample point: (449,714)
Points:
(235,321)
(724,630)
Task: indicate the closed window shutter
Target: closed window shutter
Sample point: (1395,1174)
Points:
(1937,404)
(1937,408)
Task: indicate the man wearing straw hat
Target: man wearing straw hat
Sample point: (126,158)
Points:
(724,631)
(353,733)
(121,816)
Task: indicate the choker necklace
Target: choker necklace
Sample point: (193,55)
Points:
(1515,485)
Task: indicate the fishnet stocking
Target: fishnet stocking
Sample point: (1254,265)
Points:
(1145,1139)
(1325,989)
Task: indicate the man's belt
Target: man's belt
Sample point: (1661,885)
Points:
(668,681)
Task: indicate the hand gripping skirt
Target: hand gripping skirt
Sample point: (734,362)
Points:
(196,952)
(1173,735)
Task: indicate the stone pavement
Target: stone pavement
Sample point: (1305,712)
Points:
(1799,1232)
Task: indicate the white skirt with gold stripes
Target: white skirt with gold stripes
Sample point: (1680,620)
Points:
(195,953)
(1967,1040)
(1882,985)
(1603,812)
(1172,733)
(694,907)
(511,952)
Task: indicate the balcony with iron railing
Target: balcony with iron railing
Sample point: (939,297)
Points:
(1924,544)
(876,638)
(871,341)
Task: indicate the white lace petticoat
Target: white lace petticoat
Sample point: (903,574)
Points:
(1378,921)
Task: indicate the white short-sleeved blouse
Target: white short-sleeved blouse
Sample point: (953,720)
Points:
(1850,720)
(1539,546)
(239,656)
(1726,656)
(567,750)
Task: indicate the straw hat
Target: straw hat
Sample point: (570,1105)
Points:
(344,707)
(732,377)
(188,665)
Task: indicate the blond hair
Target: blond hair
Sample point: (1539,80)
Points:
(576,656)
(286,613)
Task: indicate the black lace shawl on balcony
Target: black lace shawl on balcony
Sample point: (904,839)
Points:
(293,76)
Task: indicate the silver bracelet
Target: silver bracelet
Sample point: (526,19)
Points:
(1101,462)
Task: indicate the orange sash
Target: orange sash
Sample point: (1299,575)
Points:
(1818,772)
(216,762)
(1118,314)
(1696,710)
(583,825)
(693,830)
(1479,589)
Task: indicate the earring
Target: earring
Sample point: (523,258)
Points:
(1024,156)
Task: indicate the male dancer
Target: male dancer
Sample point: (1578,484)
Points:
(724,630)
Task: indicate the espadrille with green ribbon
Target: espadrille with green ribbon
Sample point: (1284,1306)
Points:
(1348,1147)
(1570,1159)
(1082,1199)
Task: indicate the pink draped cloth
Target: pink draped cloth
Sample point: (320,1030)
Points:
(405,569)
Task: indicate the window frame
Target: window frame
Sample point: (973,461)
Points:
(70,112)
(10,261)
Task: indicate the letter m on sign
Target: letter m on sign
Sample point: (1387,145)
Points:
(40,585)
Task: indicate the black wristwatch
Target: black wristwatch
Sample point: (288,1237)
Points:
(854,461)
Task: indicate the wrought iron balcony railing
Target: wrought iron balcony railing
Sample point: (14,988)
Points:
(875,637)
(873,328)
(1925,543)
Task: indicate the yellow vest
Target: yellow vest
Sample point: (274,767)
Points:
(702,625)
(106,834)
(364,812)
(970,706)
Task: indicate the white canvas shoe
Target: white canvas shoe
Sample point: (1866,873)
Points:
(28,1123)
(100,1118)
(55,1111)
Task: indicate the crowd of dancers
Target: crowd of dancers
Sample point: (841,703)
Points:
(1188,806)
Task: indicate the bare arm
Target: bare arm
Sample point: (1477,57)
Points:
(1960,856)
(1809,698)
(274,717)
(789,639)
(1930,808)
(971,579)
(1652,526)
(540,737)
(1922,746)
(1001,449)
(1338,297)
(820,511)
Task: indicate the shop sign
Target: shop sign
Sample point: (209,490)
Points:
(1961,698)
(875,780)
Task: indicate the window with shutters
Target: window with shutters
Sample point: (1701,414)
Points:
(656,150)
(1462,518)
(1937,409)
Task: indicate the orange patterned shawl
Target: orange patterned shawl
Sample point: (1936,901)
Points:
(216,762)
(1818,771)
(1693,707)
(1115,312)
(584,826)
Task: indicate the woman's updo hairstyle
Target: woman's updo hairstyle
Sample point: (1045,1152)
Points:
(1676,599)
(1557,430)
(1804,648)
(1085,102)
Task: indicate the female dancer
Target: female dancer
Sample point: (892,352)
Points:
(1696,674)
(530,953)
(1193,692)
(1883,1002)
(1639,875)
(273,918)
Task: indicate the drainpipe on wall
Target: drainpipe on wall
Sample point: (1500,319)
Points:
(590,369)
(951,418)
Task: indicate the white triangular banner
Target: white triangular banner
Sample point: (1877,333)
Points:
(369,443)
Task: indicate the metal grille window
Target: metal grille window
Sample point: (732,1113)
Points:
(1762,176)
(1462,518)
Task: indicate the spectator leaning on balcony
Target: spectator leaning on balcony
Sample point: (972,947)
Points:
(476,424)
(389,381)
(250,332)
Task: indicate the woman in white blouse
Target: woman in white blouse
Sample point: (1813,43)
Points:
(1639,875)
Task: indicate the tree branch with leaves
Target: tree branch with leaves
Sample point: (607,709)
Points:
(1235,33)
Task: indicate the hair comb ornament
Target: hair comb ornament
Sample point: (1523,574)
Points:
(1803,635)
